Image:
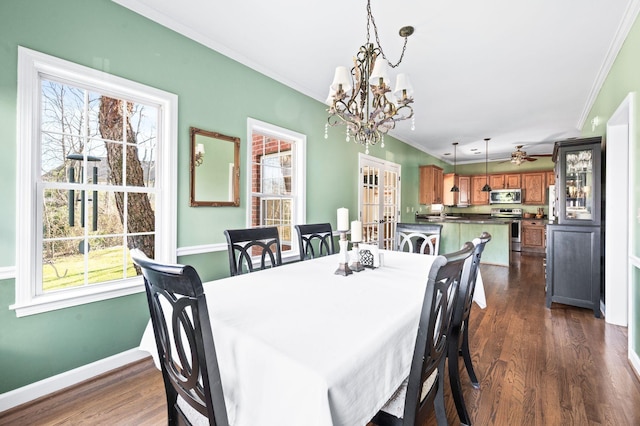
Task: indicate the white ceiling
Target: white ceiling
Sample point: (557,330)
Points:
(521,72)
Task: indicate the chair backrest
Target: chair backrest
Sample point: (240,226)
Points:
(184,340)
(437,308)
(418,237)
(315,240)
(245,244)
(468,284)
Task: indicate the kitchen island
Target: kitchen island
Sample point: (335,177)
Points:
(456,230)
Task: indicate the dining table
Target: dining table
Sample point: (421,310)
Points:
(300,345)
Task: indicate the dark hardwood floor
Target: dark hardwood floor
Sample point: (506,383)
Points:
(537,366)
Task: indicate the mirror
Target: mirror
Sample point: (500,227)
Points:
(215,169)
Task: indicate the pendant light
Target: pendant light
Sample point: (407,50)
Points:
(454,188)
(486,187)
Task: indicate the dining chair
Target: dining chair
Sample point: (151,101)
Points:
(315,240)
(458,340)
(243,245)
(184,340)
(423,389)
(418,237)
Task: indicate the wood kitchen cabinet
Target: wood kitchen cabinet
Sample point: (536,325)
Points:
(533,236)
(513,181)
(534,187)
(450,198)
(505,181)
(460,198)
(551,178)
(464,196)
(431,185)
(477,196)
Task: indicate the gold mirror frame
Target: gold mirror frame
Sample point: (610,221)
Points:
(215,169)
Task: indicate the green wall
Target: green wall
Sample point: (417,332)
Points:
(623,78)
(215,93)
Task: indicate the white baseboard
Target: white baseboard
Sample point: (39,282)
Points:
(68,378)
(635,362)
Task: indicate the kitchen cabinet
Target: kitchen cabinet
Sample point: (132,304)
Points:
(431,185)
(496,181)
(477,196)
(533,184)
(504,181)
(573,266)
(551,178)
(450,198)
(464,196)
(460,198)
(513,181)
(533,236)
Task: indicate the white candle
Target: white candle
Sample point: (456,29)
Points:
(343,219)
(356,231)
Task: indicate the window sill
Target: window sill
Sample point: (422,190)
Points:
(69,298)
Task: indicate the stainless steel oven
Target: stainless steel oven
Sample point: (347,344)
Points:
(516,225)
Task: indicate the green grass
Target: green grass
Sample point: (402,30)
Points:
(104,265)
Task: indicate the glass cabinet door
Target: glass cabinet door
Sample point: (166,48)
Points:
(578,172)
(578,190)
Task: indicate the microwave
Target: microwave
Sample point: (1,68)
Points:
(505,196)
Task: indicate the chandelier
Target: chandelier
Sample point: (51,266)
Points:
(360,99)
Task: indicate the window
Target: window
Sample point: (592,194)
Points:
(277,196)
(96,176)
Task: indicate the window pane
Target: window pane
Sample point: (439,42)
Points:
(140,212)
(62,265)
(107,260)
(62,108)
(62,214)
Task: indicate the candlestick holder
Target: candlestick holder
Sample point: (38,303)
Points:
(356,265)
(343,266)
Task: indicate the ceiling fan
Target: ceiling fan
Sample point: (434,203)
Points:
(518,156)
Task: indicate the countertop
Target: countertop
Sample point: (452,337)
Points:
(478,219)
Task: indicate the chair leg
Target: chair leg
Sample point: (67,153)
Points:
(467,357)
(438,402)
(454,381)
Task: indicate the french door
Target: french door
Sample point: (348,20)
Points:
(379,200)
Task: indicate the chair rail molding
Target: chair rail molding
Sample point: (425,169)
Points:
(7,272)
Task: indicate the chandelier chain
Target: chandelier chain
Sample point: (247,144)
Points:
(370,20)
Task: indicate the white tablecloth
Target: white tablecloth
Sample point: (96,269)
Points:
(299,345)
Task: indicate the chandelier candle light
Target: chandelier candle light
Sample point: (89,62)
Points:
(358,99)
(343,227)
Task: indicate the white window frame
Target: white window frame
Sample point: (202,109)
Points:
(298,184)
(32,66)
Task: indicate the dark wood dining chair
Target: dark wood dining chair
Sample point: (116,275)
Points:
(184,340)
(243,245)
(458,341)
(315,240)
(423,390)
(418,237)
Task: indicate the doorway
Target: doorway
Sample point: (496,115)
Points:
(622,262)
(378,200)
